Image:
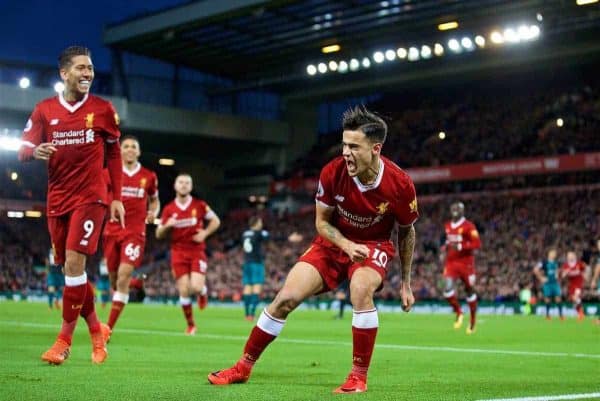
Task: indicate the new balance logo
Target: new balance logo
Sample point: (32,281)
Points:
(83,242)
(54,121)
(76,306)
(339,198)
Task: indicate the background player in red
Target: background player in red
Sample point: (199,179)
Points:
(362,197)
(70,131)
(462,239)
(185,217)
(124,247)
(595,280)
(574,270)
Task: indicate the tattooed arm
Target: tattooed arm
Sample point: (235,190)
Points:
(406,246)
(357,252)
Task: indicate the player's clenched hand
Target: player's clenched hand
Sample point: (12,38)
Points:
(171,221)
(117,212)
(357,252)
(150,217)
(43,151)
(200,236)
(406,297)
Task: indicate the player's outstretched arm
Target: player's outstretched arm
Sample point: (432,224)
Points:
(357,252)
(406,247)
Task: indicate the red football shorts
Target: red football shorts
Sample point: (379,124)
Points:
(78,230)
(335,266)
(187,262)
(575,291)
(124,248)
(464,272)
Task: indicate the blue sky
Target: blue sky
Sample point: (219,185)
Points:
(37,30)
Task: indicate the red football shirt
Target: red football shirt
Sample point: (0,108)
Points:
(367,212)
(574,273)
(137,186)
(465,234)
(79,132)
(189,219)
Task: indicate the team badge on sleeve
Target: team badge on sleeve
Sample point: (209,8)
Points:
(320,190)
(413,205)
(28,126)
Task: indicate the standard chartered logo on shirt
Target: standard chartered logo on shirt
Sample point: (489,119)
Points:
(72,137)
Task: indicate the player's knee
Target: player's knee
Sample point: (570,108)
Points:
(122,284)
(360,293)
(74,263)
(285,302)
(449,285)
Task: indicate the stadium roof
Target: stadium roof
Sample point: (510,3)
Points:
(270,43)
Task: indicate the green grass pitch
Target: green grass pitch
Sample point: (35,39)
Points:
(417,357)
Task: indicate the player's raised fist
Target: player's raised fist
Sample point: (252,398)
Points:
(43,151)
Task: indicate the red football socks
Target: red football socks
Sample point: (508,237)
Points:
(186,306)
(73,301)
(364,332)
(453,301)
(266,330)
(88,311)
(472,301)
(118,304)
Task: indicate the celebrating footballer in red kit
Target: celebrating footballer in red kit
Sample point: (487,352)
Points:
(574,270)
(362,199)
(184,217)
(462,239)
(124,247)
(70,132)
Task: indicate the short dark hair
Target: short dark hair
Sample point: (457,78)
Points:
(66,56)
(358,118)
(183,174)
(129,136)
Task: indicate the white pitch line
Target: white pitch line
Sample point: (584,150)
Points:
(550,397)
(334,343)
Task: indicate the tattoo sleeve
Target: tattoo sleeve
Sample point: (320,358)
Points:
(406,246)
(327,230)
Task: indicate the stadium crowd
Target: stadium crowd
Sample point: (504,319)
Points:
(516,230)
(513,123)
(517,227)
